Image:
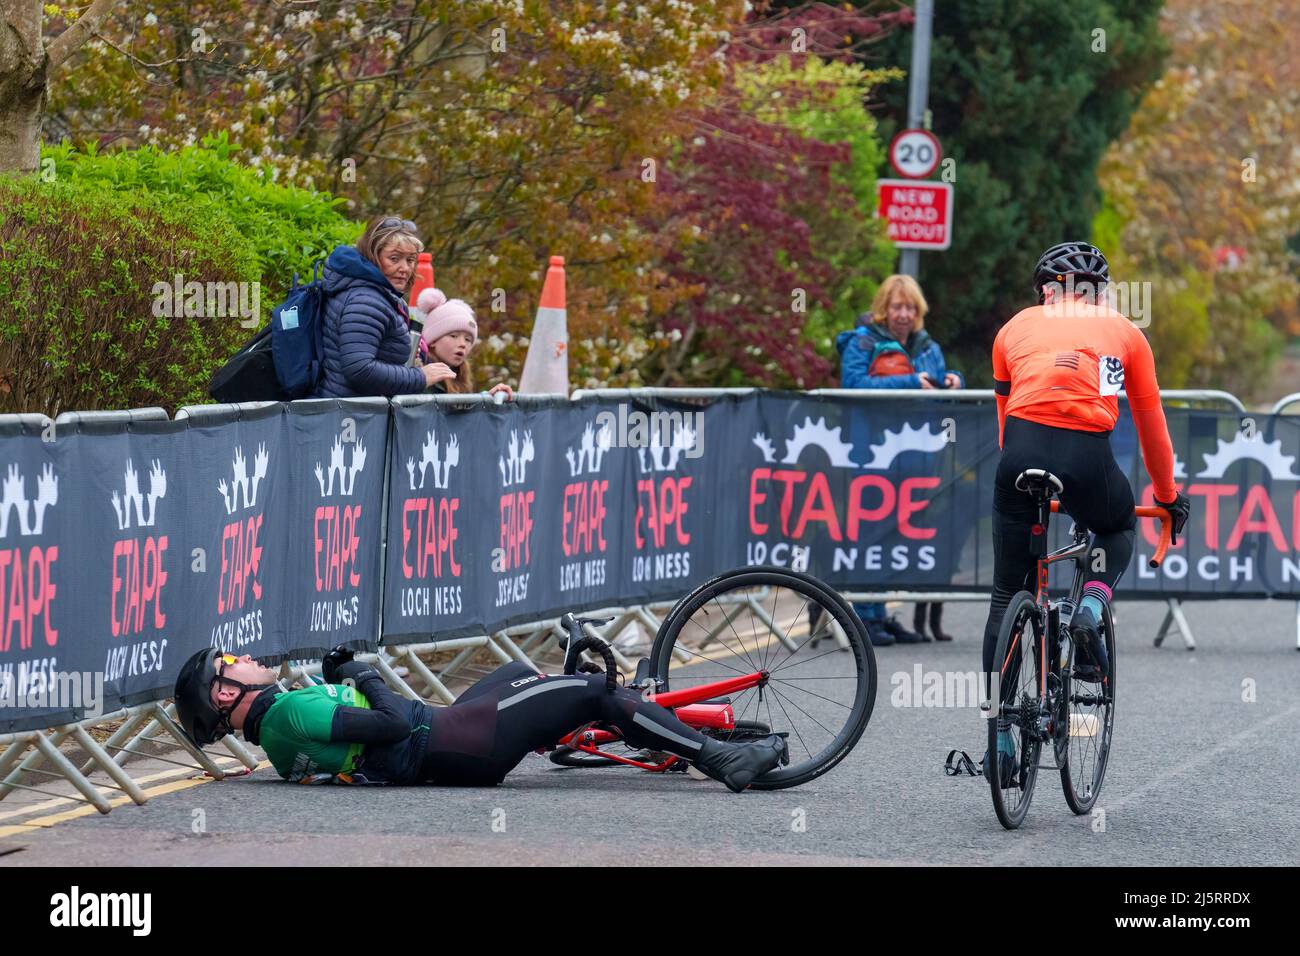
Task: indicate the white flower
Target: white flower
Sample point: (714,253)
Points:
(150,19)
(144,130)
(606,237)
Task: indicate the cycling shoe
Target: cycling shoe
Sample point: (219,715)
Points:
(738,765)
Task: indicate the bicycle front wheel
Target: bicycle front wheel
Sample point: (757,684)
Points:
(1015,742)
(1091,724)
(821,670)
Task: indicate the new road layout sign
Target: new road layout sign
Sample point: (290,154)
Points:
(919,214)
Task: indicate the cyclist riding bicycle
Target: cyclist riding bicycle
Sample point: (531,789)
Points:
(355,729)
(1058,368)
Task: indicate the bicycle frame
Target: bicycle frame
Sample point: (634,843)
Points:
(690,706)
(1076,552)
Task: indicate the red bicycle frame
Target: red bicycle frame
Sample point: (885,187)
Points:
(689,706)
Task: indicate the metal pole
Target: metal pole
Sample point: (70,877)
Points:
(918,94)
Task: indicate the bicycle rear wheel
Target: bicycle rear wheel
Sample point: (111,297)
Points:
(1018,660)
(1091,724)
(821,669)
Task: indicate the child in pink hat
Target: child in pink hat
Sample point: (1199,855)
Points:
(449,334)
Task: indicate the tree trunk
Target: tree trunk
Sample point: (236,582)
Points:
(22,84)
(25,66)
(20,125)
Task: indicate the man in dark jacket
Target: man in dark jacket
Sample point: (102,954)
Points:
(366,335)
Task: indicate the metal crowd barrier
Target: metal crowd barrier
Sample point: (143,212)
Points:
(407,667)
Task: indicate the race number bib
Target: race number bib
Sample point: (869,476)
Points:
(1110,375)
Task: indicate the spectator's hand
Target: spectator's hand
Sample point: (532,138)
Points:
(925,380)
(951,380)
(436,372)
(502,387)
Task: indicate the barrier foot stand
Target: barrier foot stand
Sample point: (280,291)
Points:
(165,722)
(10,757)
(439,689)
(771,625)
(65,767)
(119,735)
(393,680)
(725,622)
(34,759)
(653,623)
(100,757)
(1174,616)
(514,650)
(619,657)
(240,751)
(841,639)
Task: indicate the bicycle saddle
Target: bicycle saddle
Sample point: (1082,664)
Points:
(1039,483)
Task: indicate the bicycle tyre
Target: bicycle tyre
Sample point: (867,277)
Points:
(811,590)
(1021,613)
(1081,803)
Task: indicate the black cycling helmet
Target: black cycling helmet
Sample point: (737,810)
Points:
(1080,259)
(202,720)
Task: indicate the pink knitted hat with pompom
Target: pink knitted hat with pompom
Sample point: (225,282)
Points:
(442,316)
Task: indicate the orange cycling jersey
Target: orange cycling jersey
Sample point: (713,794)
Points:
(1063,365)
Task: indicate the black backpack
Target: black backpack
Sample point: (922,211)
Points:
(249,376)
(284,361)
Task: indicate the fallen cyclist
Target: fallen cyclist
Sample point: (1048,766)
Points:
(356,729)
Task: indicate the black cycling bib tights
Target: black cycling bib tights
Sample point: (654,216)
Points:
(1096,495)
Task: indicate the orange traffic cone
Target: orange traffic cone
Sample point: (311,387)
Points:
(546,368)
(423,277)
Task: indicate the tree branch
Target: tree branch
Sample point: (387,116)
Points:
(72,39)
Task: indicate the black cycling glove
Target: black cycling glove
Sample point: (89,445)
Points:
(358,672)
(1178,509)
(331,662)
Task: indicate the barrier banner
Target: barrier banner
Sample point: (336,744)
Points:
(126,548)
(282,532)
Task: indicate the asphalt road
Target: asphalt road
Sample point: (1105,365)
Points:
(1203,771)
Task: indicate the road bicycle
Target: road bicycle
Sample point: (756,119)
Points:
(752,652)
(1040,699)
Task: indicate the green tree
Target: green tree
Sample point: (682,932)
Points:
(1025,95)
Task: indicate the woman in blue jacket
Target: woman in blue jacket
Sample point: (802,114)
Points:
(891,349)
(366,329)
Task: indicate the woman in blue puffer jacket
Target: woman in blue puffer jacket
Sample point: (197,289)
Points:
(891,349)
(366,329)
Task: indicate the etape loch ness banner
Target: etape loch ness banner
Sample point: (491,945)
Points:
(125,547)
(285,531)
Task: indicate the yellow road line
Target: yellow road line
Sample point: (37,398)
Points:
(87,810)
(229,764)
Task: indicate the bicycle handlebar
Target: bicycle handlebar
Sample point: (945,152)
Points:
(579,642)
(1148,511)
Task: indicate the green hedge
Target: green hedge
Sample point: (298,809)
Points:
(78,266)
(84,244)
(287,228)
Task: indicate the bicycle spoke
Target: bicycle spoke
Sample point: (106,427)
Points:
(811,694)
(782,697)
(808,752)
(801,663)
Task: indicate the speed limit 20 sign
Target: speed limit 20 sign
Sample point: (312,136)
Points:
(915,153)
